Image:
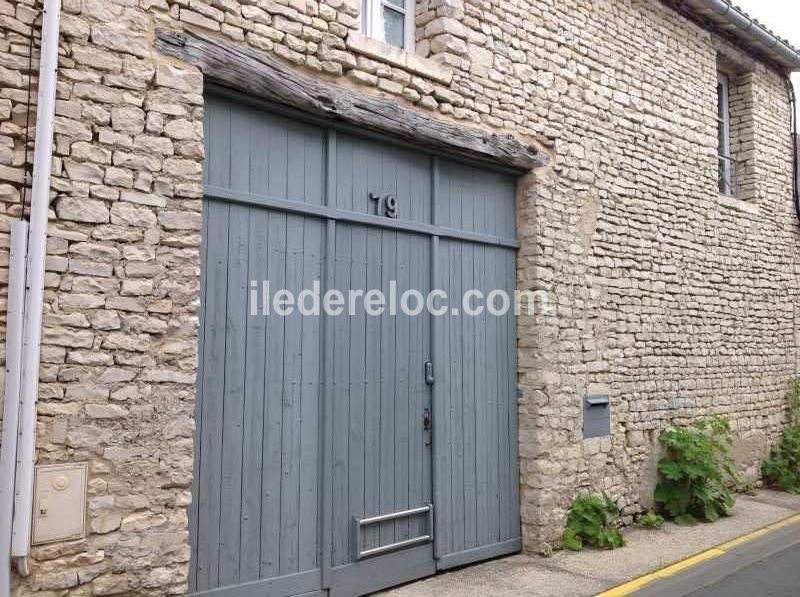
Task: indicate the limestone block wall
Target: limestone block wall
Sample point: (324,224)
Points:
(675,302)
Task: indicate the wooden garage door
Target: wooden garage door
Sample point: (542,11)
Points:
(344,454)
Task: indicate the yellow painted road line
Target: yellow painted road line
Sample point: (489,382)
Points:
(634,585)
(674,569)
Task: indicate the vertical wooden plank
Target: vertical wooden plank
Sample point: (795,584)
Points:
(292,382)
(253,431)
(422,185)
(277,178)
(372,412)
(256,130)
(485,382)
(314,175)
(235,350)
(341,402)
(342,517)
(512,404)
(241,126)
(332,181)
(271,538)
(470,331)
(358,375)
(346,179)
(198,406)
(442,436)
(436,200)
(454,196)
(388,356)
(309,401)
(233,396)
(488,342)
(213,388)
(295,157)
(438,334)
(259,154)
(468,204)
(325,517)
(415,394)
(426,391)
(218,139)
(404,420)
(503,381)
(370,179)
(457,389)
(420,454)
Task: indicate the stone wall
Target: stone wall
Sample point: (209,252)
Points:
(676,302)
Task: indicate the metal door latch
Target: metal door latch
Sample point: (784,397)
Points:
(429,373)
(427,420)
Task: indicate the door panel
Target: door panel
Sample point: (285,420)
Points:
(475,199)
(263,154)
(257,459)
(381,456)
(365,167)
(475,412)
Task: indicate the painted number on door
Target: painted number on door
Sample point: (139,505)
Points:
(386,205)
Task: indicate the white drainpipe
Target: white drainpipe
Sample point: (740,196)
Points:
(8,449)
(37,251)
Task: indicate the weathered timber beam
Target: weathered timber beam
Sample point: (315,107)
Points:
(259,74)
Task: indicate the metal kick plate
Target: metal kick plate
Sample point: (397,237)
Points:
(59,504)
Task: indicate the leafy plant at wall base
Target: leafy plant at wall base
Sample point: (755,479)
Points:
(685,520)
(592,520)
(782,469)
(651,520)
(695,470)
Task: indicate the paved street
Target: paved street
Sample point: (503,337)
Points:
(591,572)
(767,565)
(775,576)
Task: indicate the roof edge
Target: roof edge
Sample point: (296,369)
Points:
(752,34)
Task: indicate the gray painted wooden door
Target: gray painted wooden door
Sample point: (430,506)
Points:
(325,461)
(476,471)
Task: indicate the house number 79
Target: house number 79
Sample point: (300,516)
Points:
(386,205)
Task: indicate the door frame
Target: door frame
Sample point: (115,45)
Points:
(425,558)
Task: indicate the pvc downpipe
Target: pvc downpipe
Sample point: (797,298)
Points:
(37,250)
(8,449)
(795,148)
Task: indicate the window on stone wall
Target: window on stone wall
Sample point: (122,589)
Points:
(389,21)
(735,134)
(724,158)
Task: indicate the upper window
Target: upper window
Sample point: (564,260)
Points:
(390,21)
(727,175)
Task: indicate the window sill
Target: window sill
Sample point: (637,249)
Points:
(372,48)
(739,204)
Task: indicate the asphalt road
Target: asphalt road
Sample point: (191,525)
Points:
(777,575)
(767,566)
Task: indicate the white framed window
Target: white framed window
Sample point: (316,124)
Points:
(724,153)
(390,21)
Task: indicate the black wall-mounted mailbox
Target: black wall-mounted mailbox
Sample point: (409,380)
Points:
(596,416)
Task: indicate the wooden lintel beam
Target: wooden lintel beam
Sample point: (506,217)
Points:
(257,73)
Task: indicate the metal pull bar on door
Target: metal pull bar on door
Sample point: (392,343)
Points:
(360,523)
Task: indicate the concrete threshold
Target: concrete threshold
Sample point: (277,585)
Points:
(593,572)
